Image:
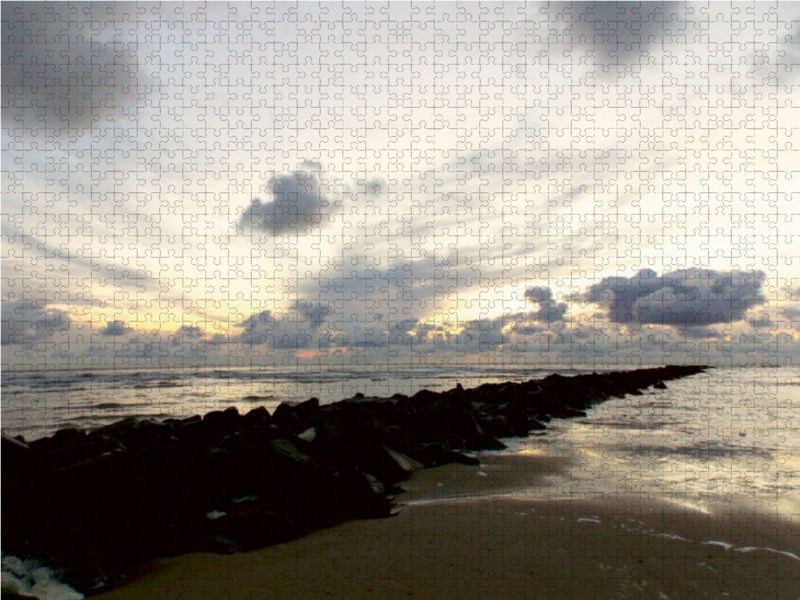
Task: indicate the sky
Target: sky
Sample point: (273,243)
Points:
(300,184)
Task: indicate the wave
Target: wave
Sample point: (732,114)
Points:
(28,578)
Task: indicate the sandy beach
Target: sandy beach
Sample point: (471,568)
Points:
(475,532)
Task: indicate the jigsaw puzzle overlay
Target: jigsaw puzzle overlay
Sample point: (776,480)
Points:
(216,206)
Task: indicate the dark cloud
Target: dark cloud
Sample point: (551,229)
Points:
(27,322)
(187,333)
(66,64)
(619,31)
(297,205)
(302,326)
(689,297)
(115,328)
(549,310)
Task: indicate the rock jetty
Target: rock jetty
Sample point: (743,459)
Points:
(98,504)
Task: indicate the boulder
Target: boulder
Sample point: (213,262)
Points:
(90,447)
(250,525)
(15,453)
(496,425)
(431,454)
(60,440)
(458,457)
(307,411)
(257,418)
(286,419)
(229,416)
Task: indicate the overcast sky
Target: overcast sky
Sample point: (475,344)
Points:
(304,183)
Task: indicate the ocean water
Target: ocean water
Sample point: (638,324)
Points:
(718,441)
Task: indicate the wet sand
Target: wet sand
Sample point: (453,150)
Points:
(474,532)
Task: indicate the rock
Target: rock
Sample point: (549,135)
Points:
(119,428)
(146,433)
(431,454)
(497,425)
(286,418)
(13,450)
(251,526)
(258,418)
(60,440)
(288,453)
(358,495)
(308,435)
(307,411)
(228,417)
(458,457)
(398,466)
(91,447)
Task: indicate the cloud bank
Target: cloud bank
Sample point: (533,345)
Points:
(688,297)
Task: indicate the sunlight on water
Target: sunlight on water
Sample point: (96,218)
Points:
(720,442)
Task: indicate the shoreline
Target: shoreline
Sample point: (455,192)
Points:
(461,534)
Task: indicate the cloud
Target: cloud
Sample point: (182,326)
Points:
(618,31)
(549,310)
(303,326)
(187,333)
(64,64)
(688,297)
(26,322)
(115,328)
(297,205)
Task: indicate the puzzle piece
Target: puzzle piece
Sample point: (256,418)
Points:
(215,206)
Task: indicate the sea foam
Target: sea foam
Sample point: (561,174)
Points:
(29,578)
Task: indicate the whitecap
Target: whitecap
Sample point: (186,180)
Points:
(751,549)
(725,545)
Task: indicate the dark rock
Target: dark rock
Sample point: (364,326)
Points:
(431,454)
(229,416)
(497,425)
(119,428)
(286,418)
(307,410)
(60,440)
(89,448)
(145,433)
(290,457)
(258,417)
(355,495)
(458,457)
(251,525)
(13,450)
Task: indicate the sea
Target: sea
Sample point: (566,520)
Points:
(725,440)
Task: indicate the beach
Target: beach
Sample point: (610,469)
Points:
(491,531)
